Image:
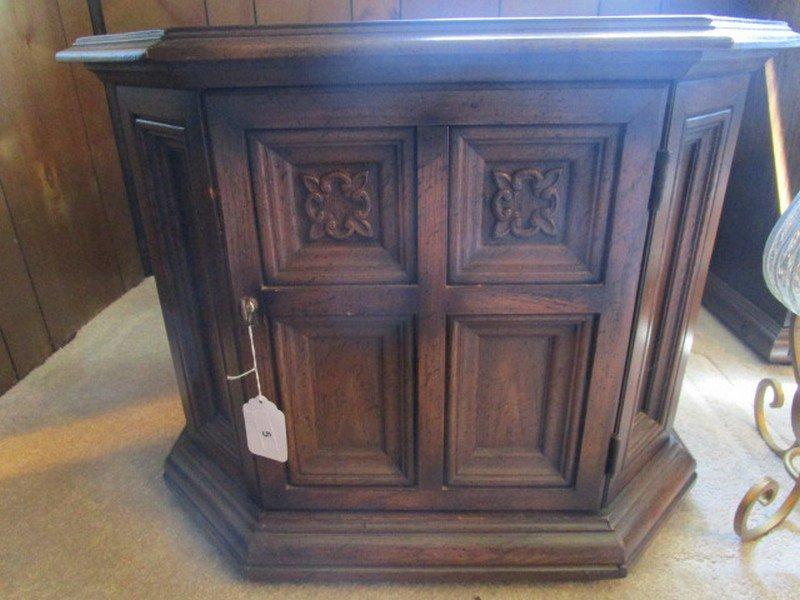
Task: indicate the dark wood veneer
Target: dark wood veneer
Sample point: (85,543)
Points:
(478,248)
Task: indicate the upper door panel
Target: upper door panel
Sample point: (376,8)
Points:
(335,205)
(530,204)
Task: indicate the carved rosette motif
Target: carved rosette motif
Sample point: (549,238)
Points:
(338,205)
(519,192)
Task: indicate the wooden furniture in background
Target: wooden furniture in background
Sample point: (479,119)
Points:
(477,251)
(765,176)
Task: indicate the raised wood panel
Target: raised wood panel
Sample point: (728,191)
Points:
(123,15)
(21,323)
(515,400)
(104,155)
(439,9)
(335,206)
(547,8)
(369,10)
(230,12)
(302,11)
(530,204)
(47,173)
(347,389)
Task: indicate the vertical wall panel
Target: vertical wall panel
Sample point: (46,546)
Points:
(125,15)
(47,173)
(786,83)
(302,11)
(434,9)
(630,7)
(708,7)
(370,10)
(21,322)
(7,375)
(230,12)
(547,8)
(104,156)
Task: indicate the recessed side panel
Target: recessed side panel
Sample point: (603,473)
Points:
(515,399)
(163,140)
(347,388)
(680,238)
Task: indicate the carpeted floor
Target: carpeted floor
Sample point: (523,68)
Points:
(84,512)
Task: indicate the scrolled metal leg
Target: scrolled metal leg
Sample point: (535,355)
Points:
(766,491)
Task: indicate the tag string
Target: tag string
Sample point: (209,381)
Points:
(254,370)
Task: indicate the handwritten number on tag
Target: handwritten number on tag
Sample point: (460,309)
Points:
(265,427)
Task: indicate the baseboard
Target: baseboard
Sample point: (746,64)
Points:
(745,320)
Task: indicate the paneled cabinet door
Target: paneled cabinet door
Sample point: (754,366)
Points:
(446,307)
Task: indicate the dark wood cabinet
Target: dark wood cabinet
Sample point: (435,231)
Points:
(477,249)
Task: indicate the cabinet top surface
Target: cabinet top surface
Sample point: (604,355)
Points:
(436,37)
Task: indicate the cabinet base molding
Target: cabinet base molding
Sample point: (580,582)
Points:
(408,546)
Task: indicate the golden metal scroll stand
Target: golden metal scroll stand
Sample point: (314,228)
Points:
(766,491)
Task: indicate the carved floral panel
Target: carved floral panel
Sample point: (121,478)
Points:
(525,202)
(530,204)
(338,205)
(335,205)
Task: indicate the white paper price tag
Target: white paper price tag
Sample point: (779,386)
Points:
(265,427)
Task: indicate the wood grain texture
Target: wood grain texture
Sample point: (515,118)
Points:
(350,214)
(348,389)
(302,11)
(440,9)
(416,547)
(700,142)
(164,140)
(25,336)
(544,202)
(369,10)
(123,15)
(49,180)
(105,158)
(230,12)
(547,8)
(516,394)
(474,421)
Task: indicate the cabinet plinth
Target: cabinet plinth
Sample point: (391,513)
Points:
(477,247)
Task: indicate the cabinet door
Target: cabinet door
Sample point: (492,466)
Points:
(447,278)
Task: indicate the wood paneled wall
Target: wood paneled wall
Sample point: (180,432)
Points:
(67,246)
(67,242)
(123,15)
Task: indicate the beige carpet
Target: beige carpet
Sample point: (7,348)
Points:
(84,512)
